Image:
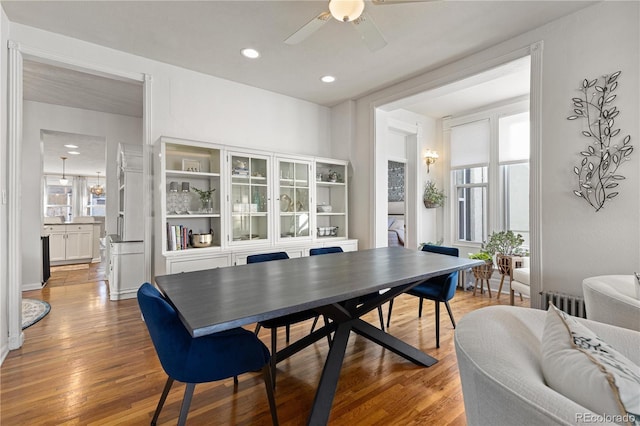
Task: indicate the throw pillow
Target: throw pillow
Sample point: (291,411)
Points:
(584,368)
(637,286)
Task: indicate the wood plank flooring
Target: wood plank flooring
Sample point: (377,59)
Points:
(91,362)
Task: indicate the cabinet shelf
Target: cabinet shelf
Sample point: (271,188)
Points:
(192,216)
(324,183)
(331,214)
(185,174)
(247,214)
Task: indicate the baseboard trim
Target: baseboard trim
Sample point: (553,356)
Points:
(32,286)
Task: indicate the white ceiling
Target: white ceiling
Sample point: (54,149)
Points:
(89,161)
(207,36)
(61,86)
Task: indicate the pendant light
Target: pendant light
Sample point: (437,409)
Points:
(97,189)
(64,179)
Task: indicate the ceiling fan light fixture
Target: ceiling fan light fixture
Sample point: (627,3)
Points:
(346,10)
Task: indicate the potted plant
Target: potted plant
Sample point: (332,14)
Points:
(205,197)
(505,244)
(482,272)
(432,196)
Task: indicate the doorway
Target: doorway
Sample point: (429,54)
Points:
(23,213)
(396,202)
(439,102)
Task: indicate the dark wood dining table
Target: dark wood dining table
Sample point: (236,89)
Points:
(214,300)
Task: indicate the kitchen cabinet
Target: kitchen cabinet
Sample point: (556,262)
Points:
(69,242)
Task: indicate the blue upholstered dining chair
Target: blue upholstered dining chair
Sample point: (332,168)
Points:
(198,360)
(337,249)
(439,289)
(283,321)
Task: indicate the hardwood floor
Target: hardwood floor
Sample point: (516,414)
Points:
(91,362)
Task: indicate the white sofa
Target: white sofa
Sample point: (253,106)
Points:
(520,283)
(612,299)
(498,350)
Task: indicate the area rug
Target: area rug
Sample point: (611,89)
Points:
(33,310)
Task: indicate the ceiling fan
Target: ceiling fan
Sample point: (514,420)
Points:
(349,11)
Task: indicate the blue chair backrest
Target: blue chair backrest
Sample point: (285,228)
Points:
(256,258)
(325,250)
(170,338)
(448,281)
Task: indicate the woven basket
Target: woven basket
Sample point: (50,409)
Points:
(483,272)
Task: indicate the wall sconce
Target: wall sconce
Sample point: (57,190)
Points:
(430,157)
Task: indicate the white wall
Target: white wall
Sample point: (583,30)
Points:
(39,116)
(4,282)
(576,241)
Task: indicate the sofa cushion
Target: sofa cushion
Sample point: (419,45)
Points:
(521,275)
(579,365)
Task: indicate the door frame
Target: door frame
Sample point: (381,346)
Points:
(17,54)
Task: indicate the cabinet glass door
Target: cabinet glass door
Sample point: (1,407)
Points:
(249,198)
(293,199)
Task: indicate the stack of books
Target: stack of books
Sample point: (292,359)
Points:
(177,237)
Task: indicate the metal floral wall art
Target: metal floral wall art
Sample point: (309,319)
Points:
(598,176)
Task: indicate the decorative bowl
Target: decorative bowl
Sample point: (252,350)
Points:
(324,208)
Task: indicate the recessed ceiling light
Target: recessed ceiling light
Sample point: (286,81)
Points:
(250,53)
(74,152)
(328,79)
(71,146)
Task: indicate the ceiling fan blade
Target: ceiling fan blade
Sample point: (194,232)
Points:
(369,32)
(309,28)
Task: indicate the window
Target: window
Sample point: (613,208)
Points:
(57,199)
(514,173)
(471,195)
(95,204)
(469,163)
(490,174)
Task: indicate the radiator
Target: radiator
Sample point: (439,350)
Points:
(573,305)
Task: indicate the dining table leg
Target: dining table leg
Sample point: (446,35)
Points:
(326,391)
(392,343)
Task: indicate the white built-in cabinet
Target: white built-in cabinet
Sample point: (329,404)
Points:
(258,202)
(130,212)
(126,249)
